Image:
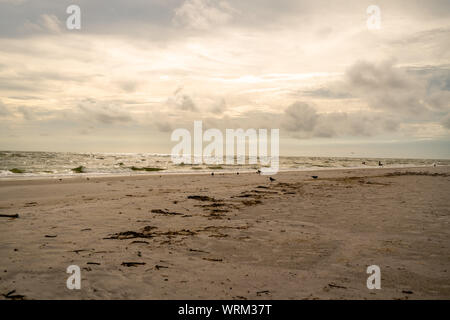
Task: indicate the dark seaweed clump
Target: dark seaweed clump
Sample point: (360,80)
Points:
(79,169)
(145,169)
(15,170)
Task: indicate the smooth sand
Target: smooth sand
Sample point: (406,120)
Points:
(294,238)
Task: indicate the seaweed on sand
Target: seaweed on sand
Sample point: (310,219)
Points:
(79,169)
(132,264)
(251,202)
(146,169)
(201,198)
(16,170)
(147,232)
(166,212)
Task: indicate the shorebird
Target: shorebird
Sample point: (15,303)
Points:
(258,172)
(380,164)
(271,179)
(212,173)
(314,177)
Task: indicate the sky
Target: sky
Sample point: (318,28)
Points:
(137,70)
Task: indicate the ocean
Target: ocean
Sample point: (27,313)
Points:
(18,164)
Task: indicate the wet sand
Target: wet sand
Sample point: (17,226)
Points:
(229,236)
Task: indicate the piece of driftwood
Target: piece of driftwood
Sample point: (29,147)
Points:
(11,295)
(9,215)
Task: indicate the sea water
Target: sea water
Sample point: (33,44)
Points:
(19,164)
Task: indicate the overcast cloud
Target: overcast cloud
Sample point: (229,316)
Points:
(139,69)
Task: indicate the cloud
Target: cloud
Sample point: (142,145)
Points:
(103,113)
(4,110)
(446,121)
(181,101)
(14,2)
(385,87)
(203,14)
(299,120)
(390,95)
(435,37)
(128,85)
(219,106)
(164,126)
(324,92)
(47,23)
(416,94)
(26,113)
(300,117)
(302,120)
(16,85)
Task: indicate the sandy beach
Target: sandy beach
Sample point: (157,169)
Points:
(229,236)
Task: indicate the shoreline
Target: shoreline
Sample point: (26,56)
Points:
(201,173)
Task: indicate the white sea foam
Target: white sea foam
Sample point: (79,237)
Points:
(57,164)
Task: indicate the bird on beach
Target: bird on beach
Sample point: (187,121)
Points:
(380,164)
(271,179)
(258,172)
(212,173)
(237,173)
(314,177)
